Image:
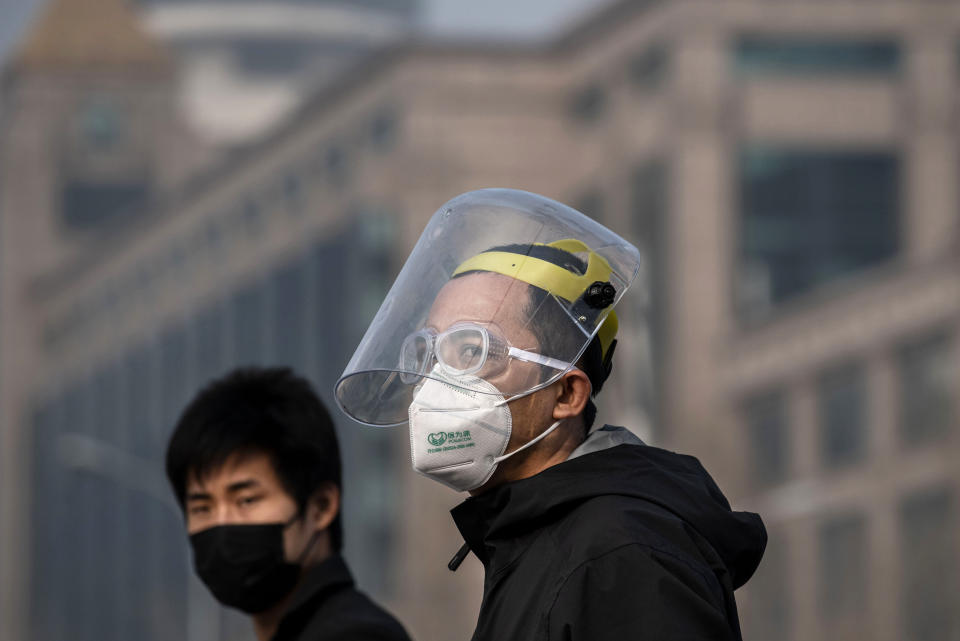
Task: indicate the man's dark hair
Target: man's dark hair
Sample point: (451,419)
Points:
(554,331)
(255,410)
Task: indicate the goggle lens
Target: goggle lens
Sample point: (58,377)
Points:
(414,355)
(462,350)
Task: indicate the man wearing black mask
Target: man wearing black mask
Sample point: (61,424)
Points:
(255,465)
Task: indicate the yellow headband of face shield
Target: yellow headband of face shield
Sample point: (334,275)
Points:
(551,278)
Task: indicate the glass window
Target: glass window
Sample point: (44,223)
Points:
(290,319)
(649,68)
(141,397)
(213,233)
(174,264)
(767,424)
(272,56)
(370,525)
(336,165)
(588,104)
(844,569)
(195,244)
(383,130)
(293,196)
(103,500)
(768,615)
(810,217)
(48,509)
(928,389)
(82,487)
(841,395)
(247,312)
(175,381)
(168,597)
(252,216)
(85,204)
(372,266)
(139,566)
(209,330)
(650,204)
(650,211)
(814,54)
(340,319)
(928,550)
(101,123)
(358,268)
(108,300)
(106,406)
(53,334)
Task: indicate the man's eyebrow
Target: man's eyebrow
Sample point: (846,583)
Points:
(198,496)
(245,484)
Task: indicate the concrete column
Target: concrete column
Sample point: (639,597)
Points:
(883,552)
(699,240)
(804,430)
(930,171)
(803,568)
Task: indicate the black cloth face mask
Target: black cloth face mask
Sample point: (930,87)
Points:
(244,565)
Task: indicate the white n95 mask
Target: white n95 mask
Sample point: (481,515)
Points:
(457,435)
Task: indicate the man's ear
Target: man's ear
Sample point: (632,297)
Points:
(323,506)
(573,392)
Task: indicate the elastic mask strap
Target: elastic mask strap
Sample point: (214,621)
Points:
(523,447)
(535,389)
(310,543)
(309,546)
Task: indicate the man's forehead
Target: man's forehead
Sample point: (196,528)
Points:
(482,296)
(238,467)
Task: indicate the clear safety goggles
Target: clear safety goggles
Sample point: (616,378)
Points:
(464,348)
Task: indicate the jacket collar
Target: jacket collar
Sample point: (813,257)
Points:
(604,438)
(492,516)
(500,524)
(318,582)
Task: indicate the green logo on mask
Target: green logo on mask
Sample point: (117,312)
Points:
(437,439)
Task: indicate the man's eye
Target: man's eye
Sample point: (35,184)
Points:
(470,351)
(198,509)
(249,500)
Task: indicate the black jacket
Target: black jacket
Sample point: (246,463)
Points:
(629,542)
(326,607)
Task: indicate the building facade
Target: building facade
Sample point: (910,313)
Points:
(245,66)
(789,170)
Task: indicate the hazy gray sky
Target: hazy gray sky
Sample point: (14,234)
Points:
(504,18)
(14,14)
(491,18)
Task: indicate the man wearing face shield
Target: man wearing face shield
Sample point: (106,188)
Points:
(490,345)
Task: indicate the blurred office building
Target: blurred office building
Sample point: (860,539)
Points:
(245,65)
(789,168)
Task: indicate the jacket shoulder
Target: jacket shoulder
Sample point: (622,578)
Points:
(604,523)
(350,615)
(641,532)
(636,591)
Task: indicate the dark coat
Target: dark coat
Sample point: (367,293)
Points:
(327,607)
(630,542)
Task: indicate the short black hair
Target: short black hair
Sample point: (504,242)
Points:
(550,317)
(259,410)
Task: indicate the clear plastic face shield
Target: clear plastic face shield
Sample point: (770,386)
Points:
(504,288)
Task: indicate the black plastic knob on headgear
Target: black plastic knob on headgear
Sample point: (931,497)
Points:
(600,294)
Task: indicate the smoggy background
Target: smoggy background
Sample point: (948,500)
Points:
(191,185)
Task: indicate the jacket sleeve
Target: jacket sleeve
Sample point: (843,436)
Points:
(635,592)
